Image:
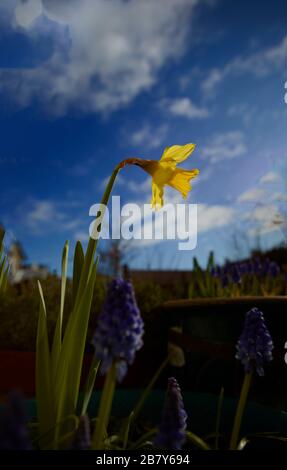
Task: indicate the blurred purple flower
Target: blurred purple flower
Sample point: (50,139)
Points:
(13,425)
(265,266)
(254,347)
(215,271)
(120,328)
(242,268)
(82,439)
(224,278)
(235,275)
(172,429)
(273,269)
(257,266)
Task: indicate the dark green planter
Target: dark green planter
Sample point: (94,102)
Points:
(210,331)
(201,410)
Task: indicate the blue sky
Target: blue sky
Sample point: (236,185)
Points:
(86,83)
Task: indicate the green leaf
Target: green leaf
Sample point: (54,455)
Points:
(90,384)
(44,396)
(57,343)
(77,268)
(210,262)
(197,441)
(143,439)
(140,403)
(72,353)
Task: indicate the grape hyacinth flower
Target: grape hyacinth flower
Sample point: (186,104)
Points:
(255,344)
(172,429)
(224,278)
(13,425)
(120,328)
(274,269)
(235,275)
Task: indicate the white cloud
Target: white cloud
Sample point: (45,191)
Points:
(213,79)
(185,108)
(139,188)
(209,217)
(260,64)
(82,236)
(115,51)
(252,195)
(46,216)
(41,211)
(214,216)
(270,177)
(242,110)
(148,136)
(265,219)
(225,146)
(279,197)
(133,186)
(27,11)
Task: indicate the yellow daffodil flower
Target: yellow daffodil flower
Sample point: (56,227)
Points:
(164,172)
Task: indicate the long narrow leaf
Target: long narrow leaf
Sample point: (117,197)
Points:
(57,343)
(77,268)
(44,400)
(71,359)
(90,384)
(197,441)
(139,405)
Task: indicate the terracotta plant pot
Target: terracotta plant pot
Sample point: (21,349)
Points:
(17,371)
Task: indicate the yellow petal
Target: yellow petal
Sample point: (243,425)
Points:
(157,196)
(180,180)
(177,153)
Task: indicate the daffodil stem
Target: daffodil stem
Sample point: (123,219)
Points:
(92,244)
(105,408)
(240,410)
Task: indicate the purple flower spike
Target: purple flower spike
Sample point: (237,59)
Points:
(254,347)
(82,439)
(224,278)
(274,269)
(13,425)
(235,275)
(120,328)
(172,429)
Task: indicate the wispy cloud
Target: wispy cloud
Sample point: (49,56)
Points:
(260,64)
(252,195)
(184,107)
(225,146)
(148,137)
(279,197)
(46,216)
(242,110)
(212,217)
(264,219)
(270,177)
(113,51)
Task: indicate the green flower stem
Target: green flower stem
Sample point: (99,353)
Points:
(143,439)
(139,405)
(240,410)
(105,408)
(92,244)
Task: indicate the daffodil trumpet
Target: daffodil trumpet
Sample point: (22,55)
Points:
(164,172)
